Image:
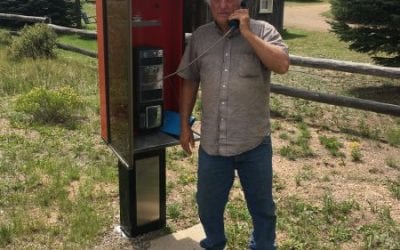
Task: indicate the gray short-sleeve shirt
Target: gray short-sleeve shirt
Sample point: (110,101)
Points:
(235,87)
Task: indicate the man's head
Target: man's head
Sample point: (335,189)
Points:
(222,9)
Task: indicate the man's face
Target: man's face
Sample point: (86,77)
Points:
(222,9)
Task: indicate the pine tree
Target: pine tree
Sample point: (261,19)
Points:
(371,26)
(61,12)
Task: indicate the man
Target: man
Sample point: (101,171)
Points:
(235,128)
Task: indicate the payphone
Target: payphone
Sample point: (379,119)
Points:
(148,71)
(139,41)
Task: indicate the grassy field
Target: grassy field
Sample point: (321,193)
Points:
(337,170)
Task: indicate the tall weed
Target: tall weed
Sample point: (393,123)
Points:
(5,37)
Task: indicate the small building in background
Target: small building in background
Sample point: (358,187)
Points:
(196,13)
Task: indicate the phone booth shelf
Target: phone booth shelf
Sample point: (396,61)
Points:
(139,42)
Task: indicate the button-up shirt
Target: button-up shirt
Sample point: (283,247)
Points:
(235,87)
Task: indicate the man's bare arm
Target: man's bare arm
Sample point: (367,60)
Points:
(272,56)
(187,101)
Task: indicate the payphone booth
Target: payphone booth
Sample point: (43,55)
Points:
(139,42)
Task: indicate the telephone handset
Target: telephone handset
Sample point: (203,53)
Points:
(234,23)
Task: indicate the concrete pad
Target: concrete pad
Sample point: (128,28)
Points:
(187,239)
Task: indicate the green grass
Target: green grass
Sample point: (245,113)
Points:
(174,211)
(384,233)
(320,45)
(305,174)
(394,136)
(76,41)
(90,10)
(394,187)
(299,145)
(54,180)
(332,145)
(311,226)
(239,229)
(19,78)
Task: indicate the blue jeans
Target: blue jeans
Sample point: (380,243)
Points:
(215,179)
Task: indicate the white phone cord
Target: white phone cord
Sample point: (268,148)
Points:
(201,55)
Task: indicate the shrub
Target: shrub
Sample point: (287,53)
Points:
(50,106)
(5,37)
(37,41)
(394,136)
(332,145)
(355,151)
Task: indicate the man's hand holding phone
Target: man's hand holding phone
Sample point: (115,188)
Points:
(242,17)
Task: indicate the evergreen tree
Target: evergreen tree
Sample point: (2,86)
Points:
(61,12)
(371,26)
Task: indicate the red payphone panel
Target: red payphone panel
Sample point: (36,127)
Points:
(158,24)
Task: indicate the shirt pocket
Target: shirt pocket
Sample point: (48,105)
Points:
(249,66)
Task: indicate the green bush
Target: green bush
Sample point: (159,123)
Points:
(332,145)
(5,37)
(37,41)
(50,106)
(394,136)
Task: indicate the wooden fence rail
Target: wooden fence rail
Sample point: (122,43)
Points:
(351,67)
(344,101)
(67,30)
(31,19)
(77,50)
(56,28)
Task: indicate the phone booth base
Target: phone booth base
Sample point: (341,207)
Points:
(142,193)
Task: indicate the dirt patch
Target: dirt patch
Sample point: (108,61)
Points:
(366,181)
(307,16)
